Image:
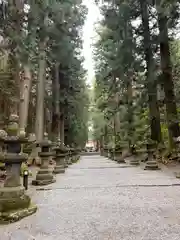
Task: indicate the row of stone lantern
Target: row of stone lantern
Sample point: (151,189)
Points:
(14,203)
(63,156)
(133,156)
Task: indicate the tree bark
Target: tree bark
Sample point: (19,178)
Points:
(62,129)
(39,124)
(56,104)
(167,79)
(25,97)
(151,83)
(130,112)
(40,95)
(117,117)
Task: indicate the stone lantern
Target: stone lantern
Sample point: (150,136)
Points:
(105,151)
(71,152)
(14,203)
(68,157)
(44,175)
(75,154)
(151,163)
(59,159)
(111,153)
(134,158)
(118,157)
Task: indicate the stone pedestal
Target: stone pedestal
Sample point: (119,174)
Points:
(101,151)
(44,175)
(151,163)
(118,157)
(69,157)
(14,203)
(60,159)
(142,155)
(105,152)
(75,155)
(66,156)
(111,153)
(134,160)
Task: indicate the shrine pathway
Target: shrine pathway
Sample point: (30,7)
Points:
(96,199)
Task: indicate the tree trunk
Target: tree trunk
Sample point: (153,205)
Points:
(62,129)
(151,83)
(105,141)
(116,116)
(170,101)
(130,112)
(25,97)
(40,92)
(39,124)
(56,104)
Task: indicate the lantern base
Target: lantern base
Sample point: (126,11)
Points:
(59,169)
(119,158)
(16,215)
(134,161)
(43,177)
(43,182)
(151,165)
(74,159)
(69,161)
(177,174)
(14,204)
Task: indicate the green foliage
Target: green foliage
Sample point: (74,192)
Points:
(122,87)
(116,62)
(58,24)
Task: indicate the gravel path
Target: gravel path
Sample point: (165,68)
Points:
(98,200)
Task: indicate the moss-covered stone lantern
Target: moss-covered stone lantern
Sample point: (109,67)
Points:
(14,203)
(105,151)
(44,175)
(118,154)
(111,153)
(68,156)
(134,158)
(59,159)
(75,154)
(151,163)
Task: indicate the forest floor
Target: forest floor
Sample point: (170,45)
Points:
(98,199)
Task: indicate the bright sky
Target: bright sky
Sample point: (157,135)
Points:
(88,35)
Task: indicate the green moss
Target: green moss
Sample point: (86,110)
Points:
(14,203)
(16,215)
(2,164)
(24,167)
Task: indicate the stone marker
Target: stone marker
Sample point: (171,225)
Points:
(44,175)
(14,203)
